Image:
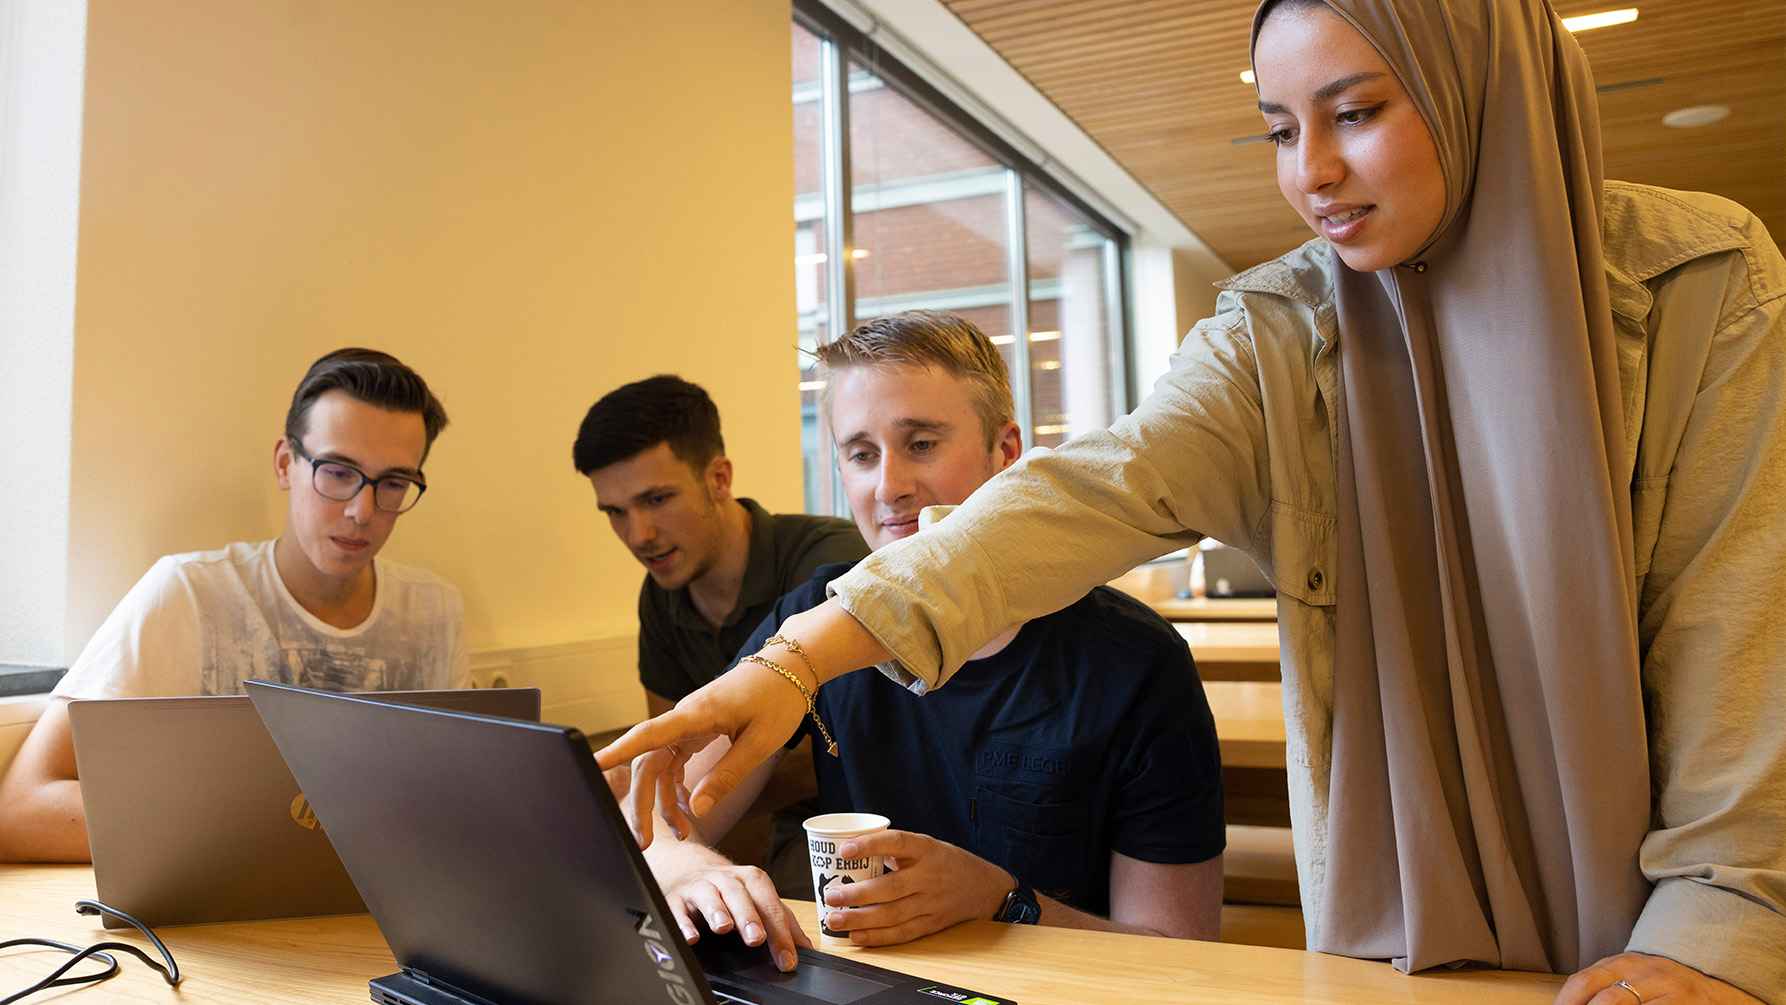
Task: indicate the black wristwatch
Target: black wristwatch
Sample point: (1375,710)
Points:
(1020,907)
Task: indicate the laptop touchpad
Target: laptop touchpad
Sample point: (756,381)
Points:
(727,960)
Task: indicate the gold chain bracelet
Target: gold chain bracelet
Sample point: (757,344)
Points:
(794,647)
(812,707)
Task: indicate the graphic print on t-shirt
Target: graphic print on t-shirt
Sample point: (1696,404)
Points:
(330,669)
(205,622)
(252,628)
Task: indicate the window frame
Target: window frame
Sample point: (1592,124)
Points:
(842,44)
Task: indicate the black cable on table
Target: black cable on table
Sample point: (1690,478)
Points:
(100,951)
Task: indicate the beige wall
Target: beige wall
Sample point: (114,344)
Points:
(1193,287)
(1172,291)
(529,202)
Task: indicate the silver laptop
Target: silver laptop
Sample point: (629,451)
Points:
(192,815)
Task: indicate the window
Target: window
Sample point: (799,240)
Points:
(1075,358)
(901,202)
(42,50)
(811,277)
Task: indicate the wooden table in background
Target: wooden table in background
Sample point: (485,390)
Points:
(331,959)
(1158,585)
(1216,608)
(1233,650)
(1249,723)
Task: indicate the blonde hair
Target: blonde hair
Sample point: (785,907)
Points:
(947,342)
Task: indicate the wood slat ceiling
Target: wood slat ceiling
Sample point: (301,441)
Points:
(1157,83)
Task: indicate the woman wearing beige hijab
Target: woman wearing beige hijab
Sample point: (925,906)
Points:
(1512,441)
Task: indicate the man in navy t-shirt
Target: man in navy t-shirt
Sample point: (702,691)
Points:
(1087,734)
(1068,775)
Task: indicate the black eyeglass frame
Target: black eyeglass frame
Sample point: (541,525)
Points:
(365,480)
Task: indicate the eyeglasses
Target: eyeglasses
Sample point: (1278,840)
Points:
(341,482)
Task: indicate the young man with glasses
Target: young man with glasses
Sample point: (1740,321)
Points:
(314,607)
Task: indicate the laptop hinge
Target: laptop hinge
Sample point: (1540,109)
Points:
(423,977)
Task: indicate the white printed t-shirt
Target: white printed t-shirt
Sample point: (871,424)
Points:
(204,622)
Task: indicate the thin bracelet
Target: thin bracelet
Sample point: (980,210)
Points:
(798,650)
(812,708)
(794,646)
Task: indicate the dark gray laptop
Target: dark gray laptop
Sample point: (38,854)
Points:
(192,815)
(499,869)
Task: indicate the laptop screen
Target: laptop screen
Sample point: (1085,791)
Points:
(489,851)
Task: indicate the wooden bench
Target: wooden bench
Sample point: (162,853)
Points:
(1261,925)
(1261,900)
(1259,867)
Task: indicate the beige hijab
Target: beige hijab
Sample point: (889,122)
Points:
(1490,780)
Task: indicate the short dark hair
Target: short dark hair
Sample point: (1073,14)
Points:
(632,419)
(376,378)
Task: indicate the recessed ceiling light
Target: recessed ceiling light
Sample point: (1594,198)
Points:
(1600,19)
(1246,76)
(1698,115)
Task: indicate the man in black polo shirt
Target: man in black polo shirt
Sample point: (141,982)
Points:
(1068,775)
(715,564)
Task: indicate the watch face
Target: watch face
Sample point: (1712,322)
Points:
(1020,907)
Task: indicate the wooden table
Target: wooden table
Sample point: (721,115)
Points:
(1249,723)
(1159,584)
(1215,608)
(1233,650)
(331,959)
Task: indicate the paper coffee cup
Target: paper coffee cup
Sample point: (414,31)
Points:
(824,835)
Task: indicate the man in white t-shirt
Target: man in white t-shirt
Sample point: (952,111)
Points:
(314,607)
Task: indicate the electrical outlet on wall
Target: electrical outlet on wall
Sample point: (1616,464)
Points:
(591,684)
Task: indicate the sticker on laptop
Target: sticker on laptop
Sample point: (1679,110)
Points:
(961,997)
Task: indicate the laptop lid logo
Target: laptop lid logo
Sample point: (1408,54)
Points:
(302,814)
(675,985)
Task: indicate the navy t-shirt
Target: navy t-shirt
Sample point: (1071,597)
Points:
(1088,734)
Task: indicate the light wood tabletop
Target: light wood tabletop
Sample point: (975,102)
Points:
(1215,608)
(1249,722)
(1232,650)
(1160,585)
(331,959)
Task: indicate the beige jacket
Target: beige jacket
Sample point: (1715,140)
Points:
(1235,442)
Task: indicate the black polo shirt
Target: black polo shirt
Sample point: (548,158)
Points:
(1088,734)
(679,651)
